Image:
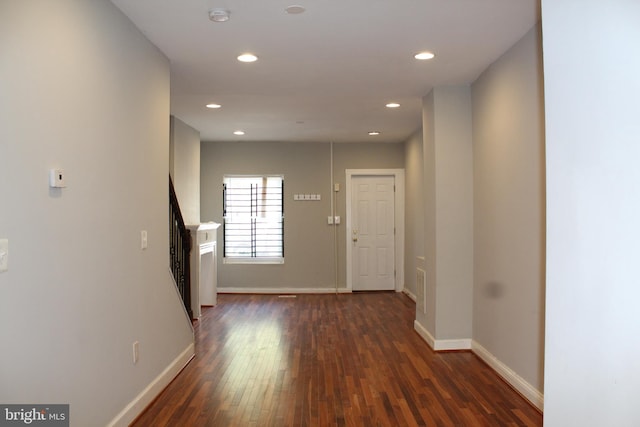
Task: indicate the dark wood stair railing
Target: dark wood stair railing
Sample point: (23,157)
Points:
(179,249)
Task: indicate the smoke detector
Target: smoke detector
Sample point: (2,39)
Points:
(294,9)
(219,15)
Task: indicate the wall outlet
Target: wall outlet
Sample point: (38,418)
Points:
(135,352)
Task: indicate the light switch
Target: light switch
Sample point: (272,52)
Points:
(4,255)
(143,239)
(136,352)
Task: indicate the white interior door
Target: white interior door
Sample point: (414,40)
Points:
(372,233)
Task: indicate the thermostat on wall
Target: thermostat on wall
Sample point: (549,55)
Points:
(56,178)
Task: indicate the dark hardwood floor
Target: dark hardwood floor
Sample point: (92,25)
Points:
(329,360)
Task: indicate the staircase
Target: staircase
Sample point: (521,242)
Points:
(179,249)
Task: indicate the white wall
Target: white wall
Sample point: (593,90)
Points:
(509,216)
(83,90)
(184,167)
(591,66)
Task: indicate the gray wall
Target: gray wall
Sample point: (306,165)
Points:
(428,319)
(184,167)
(83,90)
(309,241)
(592,360)
(509,210)
(414,209)
(359,156)
(448,218)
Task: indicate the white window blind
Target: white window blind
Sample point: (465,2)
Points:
(253,219)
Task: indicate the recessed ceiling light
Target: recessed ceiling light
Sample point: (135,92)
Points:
(374,133)
(392,105)
(219,15)
(294,9)
(238,132)
(214,105)
(247,57)
(424,55)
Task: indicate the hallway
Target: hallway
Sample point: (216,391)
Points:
(329,360)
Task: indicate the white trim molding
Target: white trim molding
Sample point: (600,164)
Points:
(146,396)
(249,290)
(424,334)
(528,391)
(519,384)
(410,294)
(441,345)
(398,175)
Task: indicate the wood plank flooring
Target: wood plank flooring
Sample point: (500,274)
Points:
(329,360)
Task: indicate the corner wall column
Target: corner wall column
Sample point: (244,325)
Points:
(448,175)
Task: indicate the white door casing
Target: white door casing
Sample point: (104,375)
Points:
(372,233)
(375,254)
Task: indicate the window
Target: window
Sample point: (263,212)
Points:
(253,226)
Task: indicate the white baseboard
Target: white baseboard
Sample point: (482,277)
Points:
(232,290)
(142,400)
(441,345)
(516,381)
(408,293)
(422,331)
(450,345)
(528,391)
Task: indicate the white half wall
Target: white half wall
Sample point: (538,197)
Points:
(184,167)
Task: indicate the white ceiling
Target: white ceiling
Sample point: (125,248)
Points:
(326,74)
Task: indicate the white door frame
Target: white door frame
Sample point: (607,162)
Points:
(398,174)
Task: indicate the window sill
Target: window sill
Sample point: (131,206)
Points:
(250,260)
